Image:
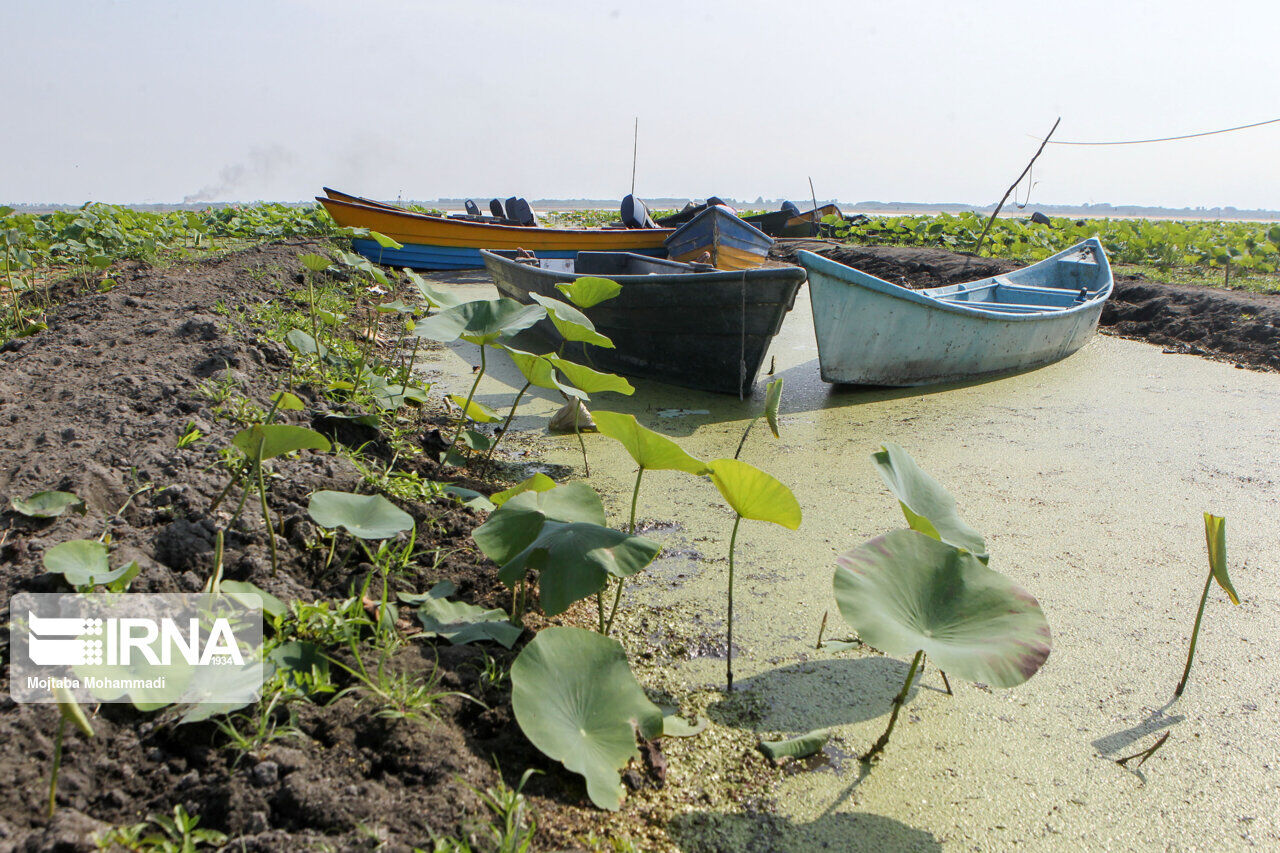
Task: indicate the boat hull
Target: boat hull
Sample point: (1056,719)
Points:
(732,243)
(870,332)
(780,223)
(438,243)
(707,331)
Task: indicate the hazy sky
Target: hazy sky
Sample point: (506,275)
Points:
(161,100)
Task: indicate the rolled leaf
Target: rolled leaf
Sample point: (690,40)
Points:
(1215,534)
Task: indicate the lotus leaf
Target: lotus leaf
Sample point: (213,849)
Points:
(480,322)
(363,516)
(517,523)
(434,297)
(571,323)
(928,507)
(650,450)
(461,623)
(773,396)
(576,700)
(754,494)
(48,504)
(83,562)
(266,441)
(589,380)
(537,483)
(537,370)
(590,290)
(905,592)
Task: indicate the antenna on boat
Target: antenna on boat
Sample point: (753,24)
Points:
(635,147)
(813,217)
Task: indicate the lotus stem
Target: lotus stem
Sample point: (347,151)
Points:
(57,763)
(462,416)
(822,628)
(315,328)
(13,293)
(1195,634)
(728,657)
(600,608)
(266,519)
(511,414)
(578,433)
(898,702)
(631,529)
(745,433)
(946,682)
(1144,754)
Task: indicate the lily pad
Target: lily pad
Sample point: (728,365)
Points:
(517,523)
(928,507)
(363,516)
(314,262)
(754,494)
(48,504)
(905,592)
(651,450)
(576,700)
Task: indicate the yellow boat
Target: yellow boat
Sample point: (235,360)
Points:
(443,243)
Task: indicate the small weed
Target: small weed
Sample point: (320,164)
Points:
(177,834)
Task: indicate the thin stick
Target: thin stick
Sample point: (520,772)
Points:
(821,630)
(978,247)
(511,414)
(728,664)
(745,433)
(635,149)
(1145,754)
(898,702)
(1195,634)
(578,433)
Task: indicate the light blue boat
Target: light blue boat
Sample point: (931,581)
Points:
(871,332)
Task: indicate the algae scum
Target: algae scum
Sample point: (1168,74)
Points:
(1088,478)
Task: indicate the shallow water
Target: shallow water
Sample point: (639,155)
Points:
(1088,478)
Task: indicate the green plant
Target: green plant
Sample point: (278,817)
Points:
(190,435)
(751,493)
(69,711)
(561,534)
(84,564)
(400,695)
(906,593)
(576,700)
(483,323)
(177,834)
(1215,534)
(651,451)
(515,824)
(927,506)
(773,396)
(48,504)
(250,734)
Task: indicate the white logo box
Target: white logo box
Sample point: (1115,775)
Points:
(148,649)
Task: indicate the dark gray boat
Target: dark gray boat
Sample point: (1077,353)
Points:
(684,324)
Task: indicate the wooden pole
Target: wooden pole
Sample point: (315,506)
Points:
(635,148)
(978,246)
(813,220)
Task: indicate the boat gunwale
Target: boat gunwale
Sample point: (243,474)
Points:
(925,299)
(685,278)
(480,226)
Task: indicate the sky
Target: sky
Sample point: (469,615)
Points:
(135,101)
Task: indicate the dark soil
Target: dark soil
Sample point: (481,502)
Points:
(1237,326)
(95,405)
